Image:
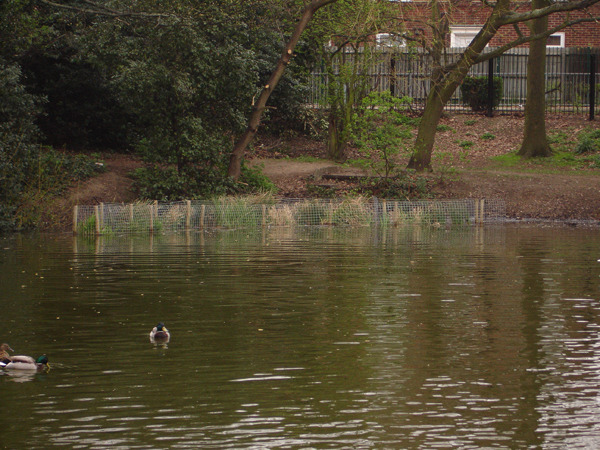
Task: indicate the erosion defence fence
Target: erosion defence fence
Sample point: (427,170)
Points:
(111,218)
(572,81)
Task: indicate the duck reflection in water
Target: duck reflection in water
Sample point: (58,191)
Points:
(160,334)
(22,376)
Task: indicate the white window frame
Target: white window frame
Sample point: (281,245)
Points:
(463,33)
(562,40)
(389,40)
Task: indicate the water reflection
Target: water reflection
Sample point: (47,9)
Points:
(307,338)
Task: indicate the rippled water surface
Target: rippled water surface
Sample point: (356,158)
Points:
(477,338)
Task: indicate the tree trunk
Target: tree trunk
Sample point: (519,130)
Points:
(444,83)
(335,141)
(340,123)
(235,161)
(535,142)
(420,159)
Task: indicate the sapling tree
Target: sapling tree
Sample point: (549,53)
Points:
(351,30)
(382,131)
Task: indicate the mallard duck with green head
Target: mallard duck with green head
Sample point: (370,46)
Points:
(22,362)
(160,333)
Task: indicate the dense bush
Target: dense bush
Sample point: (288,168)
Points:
(30,174)
(81,111)
(18,140)
(474,91)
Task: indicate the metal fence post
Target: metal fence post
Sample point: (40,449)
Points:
(592,86)
(490,111)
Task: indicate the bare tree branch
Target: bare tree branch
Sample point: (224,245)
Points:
(510,17)
(525,39)
(101,10)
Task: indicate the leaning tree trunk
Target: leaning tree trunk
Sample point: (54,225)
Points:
(444,83)
(420,159)
(439,95)
(235,161)
(535,142)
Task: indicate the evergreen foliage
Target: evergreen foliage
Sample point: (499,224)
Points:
(174,83)
(474,91)
(18,137)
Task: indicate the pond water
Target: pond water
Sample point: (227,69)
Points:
(473,338)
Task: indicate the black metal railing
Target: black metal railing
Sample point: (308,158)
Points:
(572,80)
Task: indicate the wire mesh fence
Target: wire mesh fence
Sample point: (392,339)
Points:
(111,218)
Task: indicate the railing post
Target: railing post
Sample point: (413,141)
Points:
(490,111)
(592,86)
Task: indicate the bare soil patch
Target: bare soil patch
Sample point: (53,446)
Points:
(459,172)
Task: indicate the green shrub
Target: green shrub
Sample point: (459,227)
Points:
(445,128)
(586,145)
(595,162)
(381,132)
(589,142)
(488,136)
(474,91)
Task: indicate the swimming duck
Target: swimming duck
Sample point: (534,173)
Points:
(22,362)
(160,333)
(4,356)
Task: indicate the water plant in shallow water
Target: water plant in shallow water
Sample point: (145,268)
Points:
(311,213)
(236,212)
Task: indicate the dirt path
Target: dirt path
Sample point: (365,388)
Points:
(528,193)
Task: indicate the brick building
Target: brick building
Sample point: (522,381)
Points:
(464,19)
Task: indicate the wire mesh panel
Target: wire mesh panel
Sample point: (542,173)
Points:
(244,213)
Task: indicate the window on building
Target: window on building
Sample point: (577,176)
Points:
(390,40)
(556,40)
(462,36)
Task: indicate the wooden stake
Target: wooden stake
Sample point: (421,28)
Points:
(188,214)
(75,216)
(97,216)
